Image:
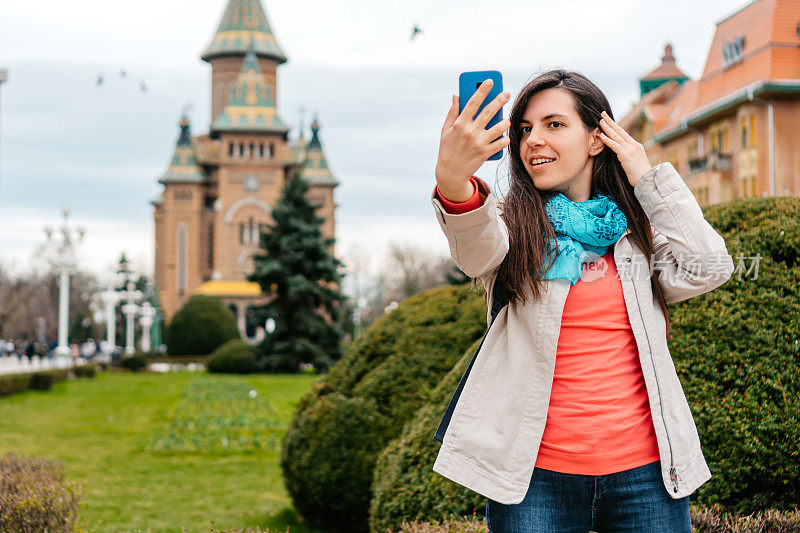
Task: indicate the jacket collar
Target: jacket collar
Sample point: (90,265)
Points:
(627,230)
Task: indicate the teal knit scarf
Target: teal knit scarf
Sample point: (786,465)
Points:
(589,226)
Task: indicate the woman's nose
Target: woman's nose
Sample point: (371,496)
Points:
(534,139)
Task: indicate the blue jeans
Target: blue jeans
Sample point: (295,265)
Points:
(631,500)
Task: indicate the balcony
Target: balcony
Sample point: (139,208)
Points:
(711,161)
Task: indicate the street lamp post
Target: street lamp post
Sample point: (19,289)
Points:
(130,309)
(110,299)
(146,320)
(65,262)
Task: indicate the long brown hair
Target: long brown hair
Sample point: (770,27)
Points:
(522,209)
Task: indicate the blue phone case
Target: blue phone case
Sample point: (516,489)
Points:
(468,83)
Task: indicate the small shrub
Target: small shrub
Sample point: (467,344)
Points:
(714,519)
(200,327)
(85,371)
(135,362)
(35,497)
(256,529)
(41,381)
(11,383)
(453,524)
(182,359)
(704,520)
(233,357)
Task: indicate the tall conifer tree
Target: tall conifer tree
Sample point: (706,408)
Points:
(295,266)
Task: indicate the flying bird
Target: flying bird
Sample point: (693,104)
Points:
(414,31)
(123,74)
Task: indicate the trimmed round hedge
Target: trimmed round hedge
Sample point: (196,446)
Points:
(353,412)
(404,485)
(736,352)
(200,326)
(234,357)
(336,445)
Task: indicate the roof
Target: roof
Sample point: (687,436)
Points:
(667,69)
(653,106)
(230,288)
(183,167)
(755,50)
(251,106)
(244,25)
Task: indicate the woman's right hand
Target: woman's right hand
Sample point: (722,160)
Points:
(466,144)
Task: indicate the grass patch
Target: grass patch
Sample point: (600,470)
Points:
(101,429)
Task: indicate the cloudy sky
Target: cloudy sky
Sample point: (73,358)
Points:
(381,100)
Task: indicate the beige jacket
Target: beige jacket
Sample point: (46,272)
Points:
(493,437)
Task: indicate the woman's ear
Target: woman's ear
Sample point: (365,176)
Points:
(597,143)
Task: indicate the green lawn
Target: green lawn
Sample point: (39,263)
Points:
(100,428)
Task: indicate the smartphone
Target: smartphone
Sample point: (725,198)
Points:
(468,83)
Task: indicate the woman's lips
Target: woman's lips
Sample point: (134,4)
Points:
(540,165)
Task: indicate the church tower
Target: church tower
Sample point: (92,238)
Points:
(220,187)
(244,27)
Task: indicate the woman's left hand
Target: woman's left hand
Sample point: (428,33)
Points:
(630,152)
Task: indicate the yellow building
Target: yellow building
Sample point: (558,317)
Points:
(219,187)
(732,132)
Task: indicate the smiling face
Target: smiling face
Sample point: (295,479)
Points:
(551,129)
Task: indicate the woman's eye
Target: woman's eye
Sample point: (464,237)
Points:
(527,129)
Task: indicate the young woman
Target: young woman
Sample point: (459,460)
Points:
(571,416)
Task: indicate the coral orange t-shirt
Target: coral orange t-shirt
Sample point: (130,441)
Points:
(598,420)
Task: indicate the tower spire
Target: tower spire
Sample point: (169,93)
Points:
(244,25)
(183,166)
(315,168)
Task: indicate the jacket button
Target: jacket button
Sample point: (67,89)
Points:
(628,259)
